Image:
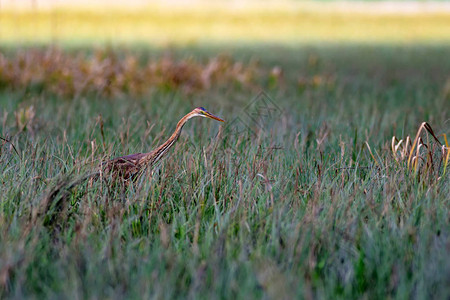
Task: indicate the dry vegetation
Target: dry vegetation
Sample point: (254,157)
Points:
(109,74)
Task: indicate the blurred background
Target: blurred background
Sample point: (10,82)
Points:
(162,23)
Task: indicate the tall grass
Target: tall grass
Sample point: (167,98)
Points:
(313,204)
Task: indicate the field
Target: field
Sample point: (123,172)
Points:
(304,192)
(219,24)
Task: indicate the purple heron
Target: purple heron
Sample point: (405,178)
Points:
(129,166)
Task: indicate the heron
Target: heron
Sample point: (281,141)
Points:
(130,166)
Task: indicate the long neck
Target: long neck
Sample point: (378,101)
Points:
(155,155)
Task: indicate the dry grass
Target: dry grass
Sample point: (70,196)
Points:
(425,157)
(106,73)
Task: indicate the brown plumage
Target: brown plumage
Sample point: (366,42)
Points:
(131,166)
(127,167)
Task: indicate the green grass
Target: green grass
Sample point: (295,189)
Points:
(321,220)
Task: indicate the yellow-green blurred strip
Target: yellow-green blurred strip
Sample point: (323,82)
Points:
(164,26)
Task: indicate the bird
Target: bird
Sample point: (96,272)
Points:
(131,166)
(127,168)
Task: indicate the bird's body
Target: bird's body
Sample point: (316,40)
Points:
(130,166)
(123,166)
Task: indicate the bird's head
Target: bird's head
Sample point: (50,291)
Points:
(201,112)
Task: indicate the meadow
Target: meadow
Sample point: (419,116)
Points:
(318,185)
(217,23)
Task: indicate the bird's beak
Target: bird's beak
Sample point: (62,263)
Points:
(210,115)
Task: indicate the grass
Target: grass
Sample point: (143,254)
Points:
(159,26)
(316,204)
